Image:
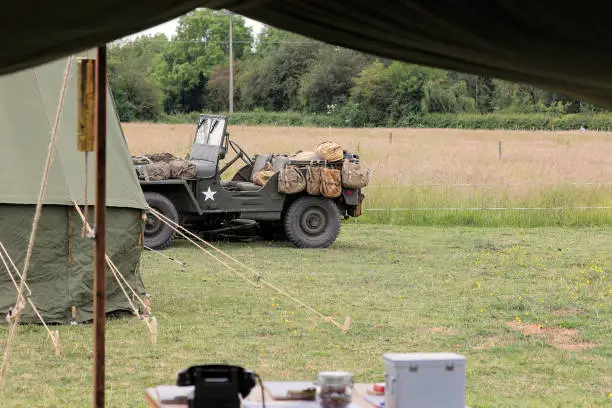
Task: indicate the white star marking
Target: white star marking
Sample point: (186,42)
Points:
(209,194)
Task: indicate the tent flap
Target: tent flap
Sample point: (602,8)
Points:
(61,273)
(28,105)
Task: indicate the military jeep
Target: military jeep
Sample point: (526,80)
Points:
(210,200)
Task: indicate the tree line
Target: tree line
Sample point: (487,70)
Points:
(154,76)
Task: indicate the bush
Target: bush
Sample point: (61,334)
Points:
(349,116)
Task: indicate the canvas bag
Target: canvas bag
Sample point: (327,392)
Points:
(354,176)
(313,180)
(331,184)
(304,156)
(182,169)
(291,180)
(357,211)
(330,151)
(263,175)
(154,171)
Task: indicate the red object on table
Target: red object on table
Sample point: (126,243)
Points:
(380,387)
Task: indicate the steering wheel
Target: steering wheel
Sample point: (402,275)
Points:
(241,153)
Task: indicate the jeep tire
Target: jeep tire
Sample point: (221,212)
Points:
(312,222)
(158,235)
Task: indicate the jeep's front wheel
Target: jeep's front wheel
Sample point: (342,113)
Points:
(157,234)
(312,222)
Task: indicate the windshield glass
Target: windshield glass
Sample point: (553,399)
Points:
(210,131)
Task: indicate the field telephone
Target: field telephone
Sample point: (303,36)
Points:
(217,386)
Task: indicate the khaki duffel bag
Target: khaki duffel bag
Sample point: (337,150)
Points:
(330,151)
(154,171)
(313,180)
(304,156)
(291,180)
(354,176)
(263,175)
(331,184)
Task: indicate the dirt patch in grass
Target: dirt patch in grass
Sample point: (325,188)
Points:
(560,338)
(488,343)
(568,311)
(443,330)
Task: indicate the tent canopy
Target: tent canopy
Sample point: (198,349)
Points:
(60,273)
(564,47)
(28,105)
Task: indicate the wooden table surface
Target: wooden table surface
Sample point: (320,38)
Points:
(359,393)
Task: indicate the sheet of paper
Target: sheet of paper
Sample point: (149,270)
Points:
(375,400)
(287,404)
(280,389)
(171,393)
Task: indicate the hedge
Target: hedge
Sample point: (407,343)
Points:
(534,121)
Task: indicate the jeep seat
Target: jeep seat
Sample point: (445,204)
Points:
(260,162)
(205,158)
(278,162)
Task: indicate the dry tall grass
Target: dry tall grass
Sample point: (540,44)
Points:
(425,165)
(414,156)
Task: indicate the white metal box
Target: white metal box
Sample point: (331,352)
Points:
(424,380)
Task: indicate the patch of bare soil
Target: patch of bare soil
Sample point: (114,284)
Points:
(443,330)
(488,343)
(563,339)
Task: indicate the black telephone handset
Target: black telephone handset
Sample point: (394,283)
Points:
(217,386)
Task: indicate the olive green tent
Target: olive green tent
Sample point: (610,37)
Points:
(61,269)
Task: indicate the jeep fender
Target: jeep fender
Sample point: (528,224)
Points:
(178,191)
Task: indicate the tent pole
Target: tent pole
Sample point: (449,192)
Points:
(100,230)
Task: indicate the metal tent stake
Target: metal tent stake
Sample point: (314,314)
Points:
(100,230)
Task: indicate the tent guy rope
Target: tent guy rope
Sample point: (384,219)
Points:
(4,253)
(207,252)
(260,278)
(176,261)
(20,303)
(117,274)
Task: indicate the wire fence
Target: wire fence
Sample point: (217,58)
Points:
(603,207)
(593,183)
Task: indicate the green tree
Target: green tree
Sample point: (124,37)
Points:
(271,38)
(218,87)
(442,97)
(130,65)
(330,78)
(201,42)
(371,97)
(386,94)
(479,88)
(408,83)
(271,80)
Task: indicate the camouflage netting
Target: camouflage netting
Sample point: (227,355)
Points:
(163,166)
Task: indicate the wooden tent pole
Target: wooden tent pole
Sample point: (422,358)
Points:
(100,230)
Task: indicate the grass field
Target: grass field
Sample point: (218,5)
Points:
(531,309)
(447,175)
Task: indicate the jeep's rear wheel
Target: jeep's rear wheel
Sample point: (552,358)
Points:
(158,235)
(312,222)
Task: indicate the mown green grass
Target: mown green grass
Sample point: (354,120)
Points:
(406,288)
(490,206)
